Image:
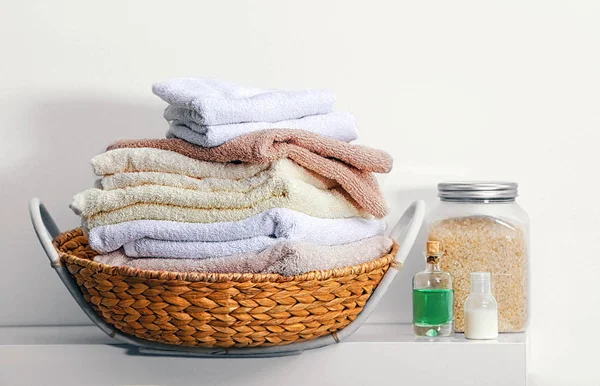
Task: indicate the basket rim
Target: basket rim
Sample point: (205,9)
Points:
(218,277)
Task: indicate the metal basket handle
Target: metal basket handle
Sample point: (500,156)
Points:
(45,229)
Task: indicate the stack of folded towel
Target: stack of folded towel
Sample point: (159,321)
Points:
(247,180)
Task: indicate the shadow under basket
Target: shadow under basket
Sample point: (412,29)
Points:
(221,310)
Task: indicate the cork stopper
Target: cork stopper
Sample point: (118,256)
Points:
(433,252)
(433,248)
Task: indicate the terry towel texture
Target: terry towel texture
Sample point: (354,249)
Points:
(149,238)
(286,259)
(143,166)
(216,102)
(337,125)
(153,202)
(349,165)
(285,193)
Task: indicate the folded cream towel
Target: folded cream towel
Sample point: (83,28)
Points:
(349,165)
(216,102)
(142,166)
(123,180)
(283,193)
(337,125)
(154,202)
(157,160)
(286,259)
(147,238)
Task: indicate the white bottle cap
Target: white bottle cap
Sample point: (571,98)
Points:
(480,282)
(480,276)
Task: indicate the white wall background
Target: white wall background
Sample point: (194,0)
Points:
(454,90)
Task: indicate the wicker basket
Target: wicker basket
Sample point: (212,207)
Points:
(221,310)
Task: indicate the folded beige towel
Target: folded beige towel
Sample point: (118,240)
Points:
(154,202)
(350,165)
(284,193)
(134,167)
(286,259)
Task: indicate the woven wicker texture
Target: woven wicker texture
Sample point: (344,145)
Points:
(221,310)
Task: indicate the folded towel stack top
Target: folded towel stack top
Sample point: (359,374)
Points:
(247,180)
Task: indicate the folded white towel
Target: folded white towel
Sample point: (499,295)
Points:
(215,102)
(337,125)
(147,238)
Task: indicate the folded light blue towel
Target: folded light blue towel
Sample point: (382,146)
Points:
(215,102)
(337,125)
(154,238)
(343,130)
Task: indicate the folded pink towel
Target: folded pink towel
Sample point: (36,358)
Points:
(349,165)
(286,259)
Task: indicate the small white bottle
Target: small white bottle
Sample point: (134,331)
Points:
(481,309)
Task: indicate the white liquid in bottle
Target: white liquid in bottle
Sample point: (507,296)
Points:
(481,324)
(481,309)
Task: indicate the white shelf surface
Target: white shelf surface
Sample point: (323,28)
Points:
(379,355)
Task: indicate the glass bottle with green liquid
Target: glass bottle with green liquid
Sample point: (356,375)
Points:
(433,297)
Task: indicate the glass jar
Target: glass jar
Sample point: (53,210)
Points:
(482,229)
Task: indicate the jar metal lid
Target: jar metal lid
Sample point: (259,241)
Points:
(477,191)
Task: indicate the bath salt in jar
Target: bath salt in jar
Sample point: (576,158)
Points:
(481,228)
